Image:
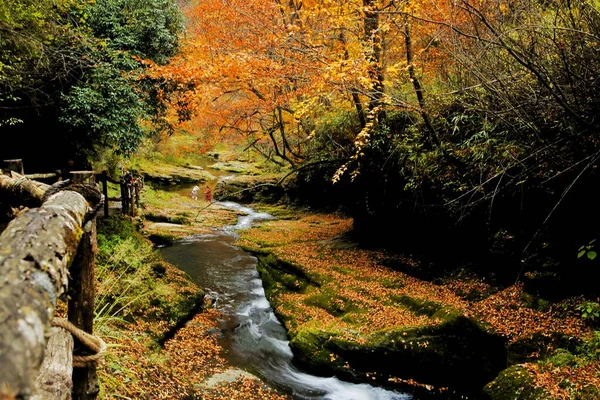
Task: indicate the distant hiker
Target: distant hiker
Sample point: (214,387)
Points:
(208,194)
(129,178)
(195,191)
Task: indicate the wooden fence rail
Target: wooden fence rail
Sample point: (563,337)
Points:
(45,253)
(28,191)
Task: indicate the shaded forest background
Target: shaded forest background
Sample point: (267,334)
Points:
(462,131)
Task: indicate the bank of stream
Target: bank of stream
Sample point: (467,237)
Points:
(252,337)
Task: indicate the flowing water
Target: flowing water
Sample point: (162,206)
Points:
(253,337)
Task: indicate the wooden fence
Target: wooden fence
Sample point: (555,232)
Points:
(46,253)
(131,185)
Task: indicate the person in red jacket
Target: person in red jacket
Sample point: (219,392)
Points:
(208,194)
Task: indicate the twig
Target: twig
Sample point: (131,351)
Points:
(202,209)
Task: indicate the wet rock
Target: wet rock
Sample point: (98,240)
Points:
(230,375)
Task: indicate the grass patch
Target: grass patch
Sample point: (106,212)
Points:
(135,288)
(158,199)
(342,270)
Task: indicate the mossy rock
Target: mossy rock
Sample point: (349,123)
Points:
(539,346)
(162,239)
(237,167)
(275,281)
(278,275)
(515,383)
(170,176)
(179,219)
(311,350)
(456,353)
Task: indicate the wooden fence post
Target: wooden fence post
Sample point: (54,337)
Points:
(81,301)
(134,198)
(6,211)
(124,206)
(104,180)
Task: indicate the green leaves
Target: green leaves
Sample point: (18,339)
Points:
(147,29)
(110,105)
(587,250)
(589,310)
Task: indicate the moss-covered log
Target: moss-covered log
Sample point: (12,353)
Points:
(36,250)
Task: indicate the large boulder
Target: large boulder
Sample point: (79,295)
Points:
(456,354)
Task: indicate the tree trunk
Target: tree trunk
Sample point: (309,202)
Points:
(416,84)
(374,45)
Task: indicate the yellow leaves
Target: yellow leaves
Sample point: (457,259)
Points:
(503,8)
(339,173)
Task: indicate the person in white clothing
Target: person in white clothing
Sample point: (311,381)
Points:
(195,191)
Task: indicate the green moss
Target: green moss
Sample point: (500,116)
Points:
(392,283)
(276,278)
(278,211)
(540,346)
(181,219)
(447,314)
(354,318)
(279,275)
(311,344)
(312,350)
(331,302)
(418,306)
(342,270)
(515,383)
(562,358)
(588,393)
(535,302)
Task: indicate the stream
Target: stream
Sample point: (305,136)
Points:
(252,336)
